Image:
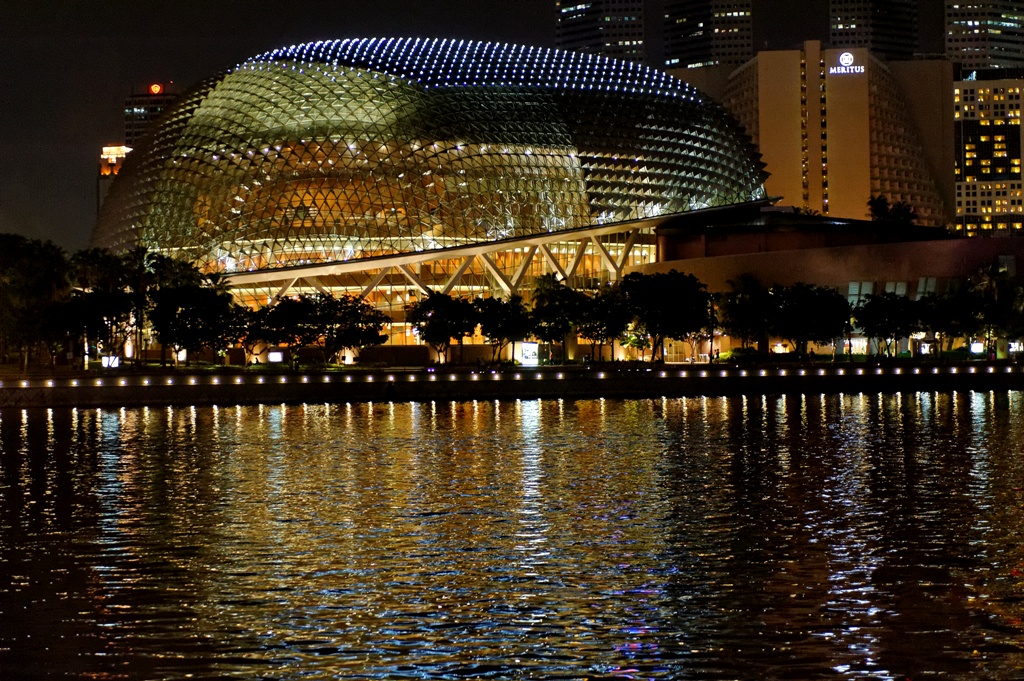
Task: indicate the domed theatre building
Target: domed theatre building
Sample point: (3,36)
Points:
(387,168)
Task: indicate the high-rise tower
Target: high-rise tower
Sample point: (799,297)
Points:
(141,108)
(886,27)
(702,33)
(614,28)
(988,145)
(985,33)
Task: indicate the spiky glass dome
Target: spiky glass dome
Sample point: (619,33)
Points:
(349,149)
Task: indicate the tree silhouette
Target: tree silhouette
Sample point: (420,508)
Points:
(898,213)
(888,317)
(556,309)
(603,318)
(746,311)
(803,313)
(668,305)
(439,318)
(503,322)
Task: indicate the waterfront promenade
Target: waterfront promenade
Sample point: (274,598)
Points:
(131,388)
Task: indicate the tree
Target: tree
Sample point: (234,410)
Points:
(878,208)
(603,317)
(231,329)
(439,318)
(746,311)
(803,313)
(34,280)
(949,316)
(888,317)
(250,331)
(319,320)
(503,322)
(102,300)
(351,323)
(555,310)
(668,305)
(116,293)
(898,213)
(999,299)
(834,317)
(138,278)
(295,322)
(193,317)
(902,213)
(636,340)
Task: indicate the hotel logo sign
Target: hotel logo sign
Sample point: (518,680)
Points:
(847,64)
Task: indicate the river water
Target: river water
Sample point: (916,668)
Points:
(800,537)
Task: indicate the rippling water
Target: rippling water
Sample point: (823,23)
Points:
(740,538)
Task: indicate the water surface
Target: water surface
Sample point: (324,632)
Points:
(703,538)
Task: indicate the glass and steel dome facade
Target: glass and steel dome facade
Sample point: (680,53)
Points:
(348,149)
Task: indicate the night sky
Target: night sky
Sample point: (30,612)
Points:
(68,65)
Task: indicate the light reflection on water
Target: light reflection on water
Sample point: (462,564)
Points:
(859,536)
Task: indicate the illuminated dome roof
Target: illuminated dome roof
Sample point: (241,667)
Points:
(349,149)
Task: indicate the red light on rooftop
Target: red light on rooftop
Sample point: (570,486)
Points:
(156,88)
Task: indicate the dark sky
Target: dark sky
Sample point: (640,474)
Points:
(784,24)
(67,66)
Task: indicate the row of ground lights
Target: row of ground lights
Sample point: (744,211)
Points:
(474,376)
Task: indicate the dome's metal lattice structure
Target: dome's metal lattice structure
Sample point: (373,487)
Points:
(374,156)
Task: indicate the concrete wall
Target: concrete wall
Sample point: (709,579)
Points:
(944,260)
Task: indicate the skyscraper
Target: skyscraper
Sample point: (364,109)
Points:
(614,28)
(989,143)
(708,33)
(886,27)
(986,38)
(985,33)
(141,108)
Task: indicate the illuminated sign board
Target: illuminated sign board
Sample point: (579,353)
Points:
(847,64)
(531,355)
(156,89)
(111,154)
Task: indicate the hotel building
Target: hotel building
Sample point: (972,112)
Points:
(142,108)
(837,126)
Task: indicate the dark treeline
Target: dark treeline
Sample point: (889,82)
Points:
(988,306)
(95,303)
(642,311)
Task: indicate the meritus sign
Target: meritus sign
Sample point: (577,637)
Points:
(847,64)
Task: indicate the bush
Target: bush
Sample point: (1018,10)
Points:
(741,356)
